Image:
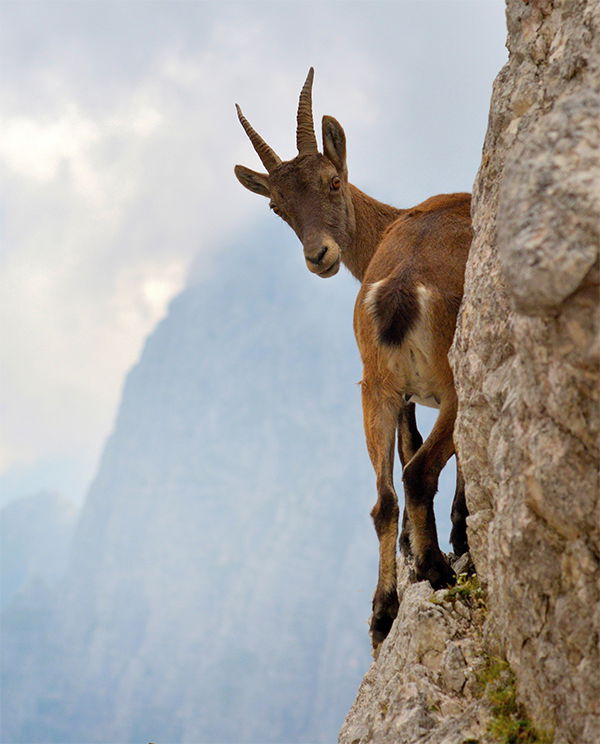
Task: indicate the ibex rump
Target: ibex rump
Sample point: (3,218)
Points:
(410,263)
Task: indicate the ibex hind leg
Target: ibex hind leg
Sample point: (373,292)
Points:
(409,441)
(420,478)
(458,535)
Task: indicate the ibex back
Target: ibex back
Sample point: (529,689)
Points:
(410,263)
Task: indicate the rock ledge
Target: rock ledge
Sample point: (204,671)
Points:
(423,686)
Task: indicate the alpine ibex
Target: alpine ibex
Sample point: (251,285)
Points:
(410,263)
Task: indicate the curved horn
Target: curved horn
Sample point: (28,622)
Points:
(305,133)
(267,155)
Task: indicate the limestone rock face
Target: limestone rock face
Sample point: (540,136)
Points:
(526,359)
(423,686)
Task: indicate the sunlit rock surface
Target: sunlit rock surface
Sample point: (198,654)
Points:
(423,687)
(526,363)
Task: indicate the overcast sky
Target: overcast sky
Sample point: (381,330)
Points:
(117,143)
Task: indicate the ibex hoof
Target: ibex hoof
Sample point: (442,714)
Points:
(385,610)
(434,568)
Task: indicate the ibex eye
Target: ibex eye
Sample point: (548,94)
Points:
(335,183)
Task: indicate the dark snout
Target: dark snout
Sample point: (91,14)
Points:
(322,257)
(316,260)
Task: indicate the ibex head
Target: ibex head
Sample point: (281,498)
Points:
(310,192)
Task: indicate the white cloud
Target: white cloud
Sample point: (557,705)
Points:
(36,149)
(79,296)
(123,176)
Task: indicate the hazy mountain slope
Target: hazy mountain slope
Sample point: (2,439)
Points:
(35,535)
(222,568)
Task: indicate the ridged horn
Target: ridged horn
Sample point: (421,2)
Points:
(305,133)
(267,155)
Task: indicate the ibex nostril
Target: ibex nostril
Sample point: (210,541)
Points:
(316,261)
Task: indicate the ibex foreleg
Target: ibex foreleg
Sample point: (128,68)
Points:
(380,415)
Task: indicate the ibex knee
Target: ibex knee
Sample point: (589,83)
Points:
(385,512)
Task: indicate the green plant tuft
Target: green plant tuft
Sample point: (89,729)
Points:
(509,724)
(468,590)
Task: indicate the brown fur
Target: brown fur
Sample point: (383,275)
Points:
(411,266)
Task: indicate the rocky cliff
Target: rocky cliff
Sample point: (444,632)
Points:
(526,361)
(424,686)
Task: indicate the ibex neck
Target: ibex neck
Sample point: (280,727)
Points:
(372,218)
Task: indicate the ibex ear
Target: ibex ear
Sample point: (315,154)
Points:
(334,144)
(257,182)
